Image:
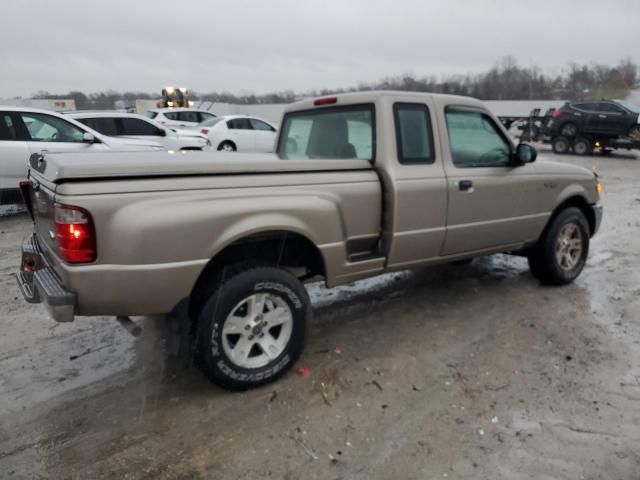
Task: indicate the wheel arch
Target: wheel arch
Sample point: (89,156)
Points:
(578,201)
(284,247)
(222,142)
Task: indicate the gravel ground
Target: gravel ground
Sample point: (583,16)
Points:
(452,372)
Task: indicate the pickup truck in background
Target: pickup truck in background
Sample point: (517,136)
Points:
(360,184)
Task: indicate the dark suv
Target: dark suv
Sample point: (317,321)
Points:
(600,117)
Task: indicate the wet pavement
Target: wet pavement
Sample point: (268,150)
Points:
(452,372)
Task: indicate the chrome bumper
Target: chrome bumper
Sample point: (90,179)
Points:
(39,283)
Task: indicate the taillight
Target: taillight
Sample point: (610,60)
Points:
(325,101)
(557,114)
(204,131)
(75,234)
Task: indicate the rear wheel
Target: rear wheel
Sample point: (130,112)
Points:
(561,253)
(227,147)
(560,145)
(252,328)
(569,130)
(634,133)
(582,146)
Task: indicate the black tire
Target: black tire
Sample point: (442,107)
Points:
(582,146)
(569,130)
(560,145)
(240,284)
(543,259)
(634,133)
(227,146)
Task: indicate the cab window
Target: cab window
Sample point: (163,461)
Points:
(475,140)
(330,132)
(414,138)
(46,128)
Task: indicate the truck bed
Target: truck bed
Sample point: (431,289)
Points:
(60,167)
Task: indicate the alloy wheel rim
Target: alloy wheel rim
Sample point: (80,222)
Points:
(257,330)
(568,248)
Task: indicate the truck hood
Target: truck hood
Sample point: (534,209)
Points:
(545,166)
(57,167)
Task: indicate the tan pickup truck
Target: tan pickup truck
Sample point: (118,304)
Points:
(360,184)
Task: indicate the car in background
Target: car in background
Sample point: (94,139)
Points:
(602,117)
(240,133)
(25,131)
(130,125)
(179,117)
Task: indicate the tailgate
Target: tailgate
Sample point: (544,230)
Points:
(42,196)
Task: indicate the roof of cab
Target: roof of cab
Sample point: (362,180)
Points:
(372,96)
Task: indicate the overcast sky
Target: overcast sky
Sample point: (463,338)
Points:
(263,46)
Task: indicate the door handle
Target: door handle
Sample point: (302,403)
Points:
(465,185)
(602,116)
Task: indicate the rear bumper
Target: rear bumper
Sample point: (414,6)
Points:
(39,283)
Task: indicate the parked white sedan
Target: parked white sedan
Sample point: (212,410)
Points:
(240,133)
(24,131)
(179,117)
(130,125)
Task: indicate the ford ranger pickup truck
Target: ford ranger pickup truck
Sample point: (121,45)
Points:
(360,184)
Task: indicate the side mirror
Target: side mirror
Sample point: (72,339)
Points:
(525,153)
(89,138)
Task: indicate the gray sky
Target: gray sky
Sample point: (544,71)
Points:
(263,46)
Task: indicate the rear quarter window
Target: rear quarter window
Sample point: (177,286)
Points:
(335,132)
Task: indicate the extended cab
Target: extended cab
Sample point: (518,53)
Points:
(360,184)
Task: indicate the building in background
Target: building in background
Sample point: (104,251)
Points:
(58,105)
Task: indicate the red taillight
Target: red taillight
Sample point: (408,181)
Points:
(75,234)
(325,101)
(556,114)
(204,131)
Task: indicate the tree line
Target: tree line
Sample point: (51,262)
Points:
(505,81)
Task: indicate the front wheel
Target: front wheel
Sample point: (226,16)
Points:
(634,133)
(252,328)
(561,253)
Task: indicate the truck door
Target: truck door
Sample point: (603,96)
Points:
(415,187)
(487,196)
(14,157)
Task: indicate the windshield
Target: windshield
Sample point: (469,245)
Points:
(629,106)
(336,132)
